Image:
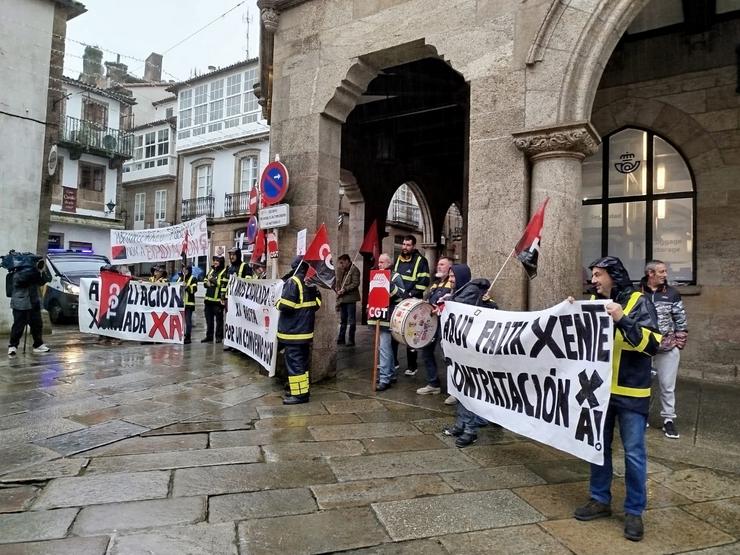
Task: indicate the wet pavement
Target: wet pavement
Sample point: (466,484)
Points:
(188,449)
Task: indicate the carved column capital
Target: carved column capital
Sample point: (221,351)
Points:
(270,19)
(575,140)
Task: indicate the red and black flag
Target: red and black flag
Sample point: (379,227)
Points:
(318,257)
(114,290)
(527,250)
(370,244)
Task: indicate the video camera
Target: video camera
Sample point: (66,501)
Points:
(17,260)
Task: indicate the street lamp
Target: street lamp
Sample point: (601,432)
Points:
(110,206)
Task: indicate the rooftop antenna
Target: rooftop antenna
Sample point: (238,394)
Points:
(247,18)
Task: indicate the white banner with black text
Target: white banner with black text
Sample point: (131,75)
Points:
(132,310)
(251,320)
(545,375)
(188,239)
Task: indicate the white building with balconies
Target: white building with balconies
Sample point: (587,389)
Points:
(92,147)
(223,146)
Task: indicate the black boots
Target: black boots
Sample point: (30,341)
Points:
(295,399)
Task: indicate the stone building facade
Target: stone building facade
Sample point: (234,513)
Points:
(495,106)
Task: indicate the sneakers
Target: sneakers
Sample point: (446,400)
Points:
(410,372)
(593,510)
(633,528)
(465,439)
(453,431)
(669,429)
(429,390)
(12,351)
(41,349)
(450,400)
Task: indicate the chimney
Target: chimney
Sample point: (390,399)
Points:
(116,71)
(153,67)
(92,68)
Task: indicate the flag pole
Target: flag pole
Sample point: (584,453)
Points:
(490,289)
(375,358)
(344,278)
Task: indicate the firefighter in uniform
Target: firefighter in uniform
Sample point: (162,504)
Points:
(159,275)
(297,305)
(215,283)
(190,286)
(237,265)
(414,270)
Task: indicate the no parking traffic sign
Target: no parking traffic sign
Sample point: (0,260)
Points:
(274,183)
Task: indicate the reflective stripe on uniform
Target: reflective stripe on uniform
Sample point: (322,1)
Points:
(294,336)
(298,384)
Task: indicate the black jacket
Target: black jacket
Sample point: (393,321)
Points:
(636,340)
(474,293)
(415,274)
(240,268)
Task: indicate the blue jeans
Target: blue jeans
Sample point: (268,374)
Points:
(468,421)
(386,366)
(632,430)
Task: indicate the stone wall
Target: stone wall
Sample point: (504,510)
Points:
(699,112)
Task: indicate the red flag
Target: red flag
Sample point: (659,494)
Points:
(113,298)
(259,247)
(370,244)
(528,248)
(185,241)
(318,258)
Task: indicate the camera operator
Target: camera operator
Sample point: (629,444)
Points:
(25,301)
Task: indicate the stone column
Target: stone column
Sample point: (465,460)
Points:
(556,154)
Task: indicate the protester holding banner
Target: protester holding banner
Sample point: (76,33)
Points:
(259,270)
(439,289)
(414,270)
(190,286)
(386,366)
(636,340)
(236,265)
(348,295)
(297,305)
(159,274)
(473,293)
(215,284)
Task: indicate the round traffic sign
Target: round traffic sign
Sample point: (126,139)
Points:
(274,183)
(253,201)
(252,229)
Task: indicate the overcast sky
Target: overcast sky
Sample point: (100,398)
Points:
(136,28)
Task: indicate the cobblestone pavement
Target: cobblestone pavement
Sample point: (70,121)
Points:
(170,449)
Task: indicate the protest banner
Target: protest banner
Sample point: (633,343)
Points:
(252,320)
(132,310)
(545,375)
(160,244)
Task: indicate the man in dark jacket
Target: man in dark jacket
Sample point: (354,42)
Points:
(414,270)
(675,331)
(236,265)
(297,305)
(348,295)
(473,292)
(26,304)
(214,300)
(636,340)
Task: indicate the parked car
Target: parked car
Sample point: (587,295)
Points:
(61,297)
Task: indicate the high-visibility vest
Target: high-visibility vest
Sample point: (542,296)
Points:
(213,293)
(297,306)
(191,285)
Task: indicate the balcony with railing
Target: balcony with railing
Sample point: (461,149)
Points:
(195,207)
(236,204)
(86,136)
(151,168)
(404,213)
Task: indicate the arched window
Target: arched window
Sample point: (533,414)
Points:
(638,204)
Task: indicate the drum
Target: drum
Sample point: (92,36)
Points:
(413,324)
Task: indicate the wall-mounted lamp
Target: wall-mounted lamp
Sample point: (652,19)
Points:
(110,206)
